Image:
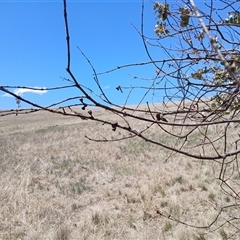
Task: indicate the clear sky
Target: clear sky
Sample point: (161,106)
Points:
(33,49)
(33,46)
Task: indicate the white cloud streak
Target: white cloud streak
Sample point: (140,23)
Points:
(107,87)
(21,91)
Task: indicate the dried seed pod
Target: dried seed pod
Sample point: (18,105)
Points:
(84,106)
(161,118)
(164,119)
(158,116)
(114,126)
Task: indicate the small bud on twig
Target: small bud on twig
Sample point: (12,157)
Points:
(119,89)
(90,112)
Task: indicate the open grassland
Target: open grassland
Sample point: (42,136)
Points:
(56,184)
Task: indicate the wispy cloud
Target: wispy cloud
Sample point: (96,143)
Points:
(21,91)
(106,87)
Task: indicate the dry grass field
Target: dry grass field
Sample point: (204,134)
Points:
(56,184)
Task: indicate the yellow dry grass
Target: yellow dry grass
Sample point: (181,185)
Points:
(56,184)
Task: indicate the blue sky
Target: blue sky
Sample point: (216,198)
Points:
(33,46)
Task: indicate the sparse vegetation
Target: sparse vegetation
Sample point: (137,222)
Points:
(57,185)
